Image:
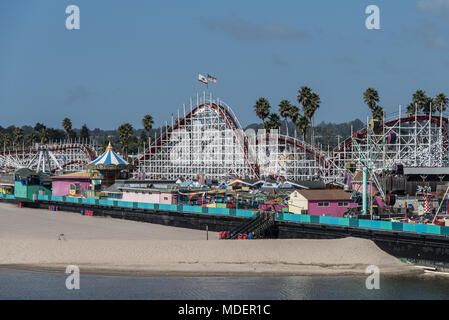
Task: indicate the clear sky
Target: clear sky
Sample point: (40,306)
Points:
(135,57)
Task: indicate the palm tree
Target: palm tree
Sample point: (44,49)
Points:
(294,115)
(125,131)
(441,102)
(378,112)
(304,95)
(310,102)
(302,125)
(262,109)
(44,135)
(423,102)
(411,109)
(67,125)
(147,123)
(274,122)
(32,137)
(6,139)
(18,135)
(371,98)
(284,111)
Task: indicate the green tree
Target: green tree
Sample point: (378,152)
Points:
(285,110)
(39,126)
(125,132)
(6,139)
(44,135)
(143,138)
(423,102)
(262,109)
(67,125)
(302,125)
(72,134)
(147,123)
(371,98)
(411,109)
(294,115)
(310,102)
(441,102)
(274,122)
(84,134)
(32,137)
(18,136)
(304,96)
(378,113)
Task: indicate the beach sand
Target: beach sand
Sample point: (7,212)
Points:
(29,240)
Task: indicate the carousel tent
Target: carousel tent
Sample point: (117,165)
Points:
(108,160)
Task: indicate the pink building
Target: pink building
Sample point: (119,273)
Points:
(328,202)
(78,182)
(149,195)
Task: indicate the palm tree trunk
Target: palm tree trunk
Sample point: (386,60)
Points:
(312,138)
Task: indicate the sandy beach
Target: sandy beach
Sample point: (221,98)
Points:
(29,240)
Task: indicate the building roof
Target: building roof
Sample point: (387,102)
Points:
(326,194)
(306,184)
(426,170)
(74,175)
(248,182)
(108,159)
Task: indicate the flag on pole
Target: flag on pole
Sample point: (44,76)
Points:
(202,78)
(211,79)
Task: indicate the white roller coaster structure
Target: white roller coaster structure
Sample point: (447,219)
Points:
(413,140)
(67,156)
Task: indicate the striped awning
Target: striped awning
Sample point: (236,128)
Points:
(108,160)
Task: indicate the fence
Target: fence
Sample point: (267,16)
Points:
(368,224)
(152,206)
(280,216)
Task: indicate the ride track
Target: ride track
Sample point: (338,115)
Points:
(331,164)
(82,153)
(233,125)
(410,119)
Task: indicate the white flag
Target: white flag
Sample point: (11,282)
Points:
(202,78)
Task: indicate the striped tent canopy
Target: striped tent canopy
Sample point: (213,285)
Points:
(108,160)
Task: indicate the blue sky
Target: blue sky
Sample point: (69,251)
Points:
(135,57)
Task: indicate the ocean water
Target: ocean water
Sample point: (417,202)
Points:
(17,284)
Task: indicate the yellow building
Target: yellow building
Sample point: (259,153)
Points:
(297,203)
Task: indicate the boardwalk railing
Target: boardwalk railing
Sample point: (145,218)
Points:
(368,224)
(287,217)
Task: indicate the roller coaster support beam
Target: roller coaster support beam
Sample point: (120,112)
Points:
(365,191)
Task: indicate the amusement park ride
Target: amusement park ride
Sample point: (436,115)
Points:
(68,156)
(207,138)
(408,141)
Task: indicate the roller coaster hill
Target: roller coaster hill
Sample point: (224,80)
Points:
(399,154)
